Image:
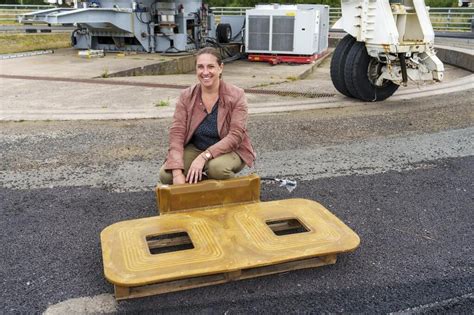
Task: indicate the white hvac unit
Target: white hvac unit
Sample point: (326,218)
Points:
(287,29)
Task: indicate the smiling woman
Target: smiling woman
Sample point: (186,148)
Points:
(209,130)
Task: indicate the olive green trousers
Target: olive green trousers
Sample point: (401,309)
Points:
(222,167)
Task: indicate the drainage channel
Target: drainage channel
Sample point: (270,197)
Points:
(162,85)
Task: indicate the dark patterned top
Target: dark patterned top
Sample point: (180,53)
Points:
(206,134)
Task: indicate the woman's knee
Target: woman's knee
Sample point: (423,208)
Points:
(219,170)
(166,177)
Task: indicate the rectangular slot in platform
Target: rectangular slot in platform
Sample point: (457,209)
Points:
(286,226)
(167,243)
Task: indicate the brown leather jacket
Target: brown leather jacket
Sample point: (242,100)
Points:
(231,124)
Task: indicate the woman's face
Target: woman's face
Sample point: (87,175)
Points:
(208,70)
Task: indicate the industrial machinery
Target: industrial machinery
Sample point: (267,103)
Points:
(388,42)
(130,25)
(287,29)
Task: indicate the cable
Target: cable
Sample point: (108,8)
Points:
(198,17)
(73,38)
(171,46)
(140,18)
(214,43)
(287,183)
(240,32)
(82,31)
(237,56)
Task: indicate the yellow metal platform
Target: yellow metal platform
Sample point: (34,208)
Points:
(236,237)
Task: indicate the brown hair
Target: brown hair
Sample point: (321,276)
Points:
(210,51)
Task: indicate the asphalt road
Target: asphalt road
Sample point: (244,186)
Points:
(399,174)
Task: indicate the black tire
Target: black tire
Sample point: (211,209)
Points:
(338,61)
(357,79)
(223,33)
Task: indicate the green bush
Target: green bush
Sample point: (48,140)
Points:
(251,3)
(332,3)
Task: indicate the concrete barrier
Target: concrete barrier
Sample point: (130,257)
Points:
(459,57)
(181,64)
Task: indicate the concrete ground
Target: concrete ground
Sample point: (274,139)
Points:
(107,98)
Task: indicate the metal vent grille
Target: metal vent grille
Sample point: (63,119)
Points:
(283,33)
(259,32)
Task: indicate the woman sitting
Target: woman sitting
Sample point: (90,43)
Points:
(209,132)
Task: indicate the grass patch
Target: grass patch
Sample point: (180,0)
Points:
(163,103)
(13,43)
(9,22)
(105,73)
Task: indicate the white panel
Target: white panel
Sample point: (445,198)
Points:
(425,22)
(377,25)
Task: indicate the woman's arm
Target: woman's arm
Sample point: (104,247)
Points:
(177,134)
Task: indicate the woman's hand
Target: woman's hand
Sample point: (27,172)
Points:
(179,179)
(195,170)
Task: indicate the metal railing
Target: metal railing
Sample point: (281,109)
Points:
(218,11)
(452,19)
(25,6)
(442,19)
(10,12)
(334,13)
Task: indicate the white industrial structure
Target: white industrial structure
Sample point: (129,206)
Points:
(287,29)
(388,42)
(145,25)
